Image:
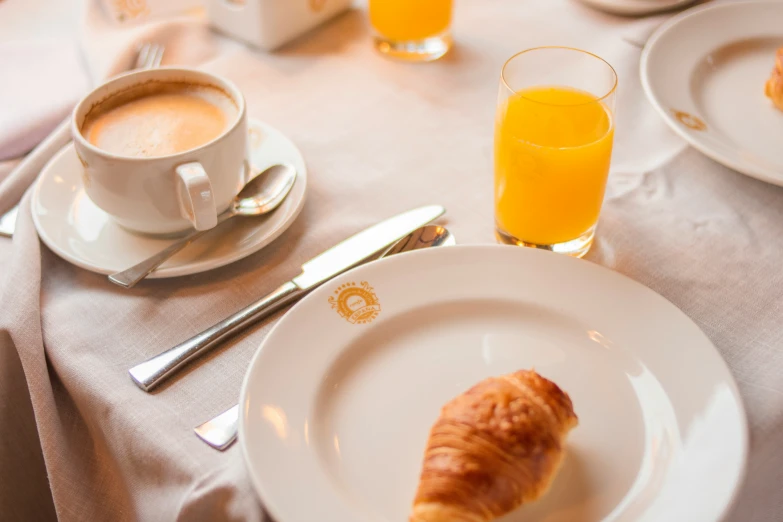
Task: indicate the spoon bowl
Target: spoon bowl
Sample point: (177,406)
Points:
(264,192)
(425,237)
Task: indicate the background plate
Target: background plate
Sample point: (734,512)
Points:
(637,7)
(705,70)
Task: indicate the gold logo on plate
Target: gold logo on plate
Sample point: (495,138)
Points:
(316,5)
(356,304)
(689,120)
(131,8)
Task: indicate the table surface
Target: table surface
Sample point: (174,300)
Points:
(80,442)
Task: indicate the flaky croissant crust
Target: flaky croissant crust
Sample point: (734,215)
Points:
(493,448)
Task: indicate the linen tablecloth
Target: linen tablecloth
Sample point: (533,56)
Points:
(79,441)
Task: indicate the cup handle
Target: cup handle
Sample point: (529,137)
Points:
(196,198)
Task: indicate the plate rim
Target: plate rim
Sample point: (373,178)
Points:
(198,267)
(752,170)
(636,7)
(271,505)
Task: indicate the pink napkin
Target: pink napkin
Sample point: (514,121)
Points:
(42,81)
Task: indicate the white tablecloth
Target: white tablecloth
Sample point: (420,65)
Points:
(80,442)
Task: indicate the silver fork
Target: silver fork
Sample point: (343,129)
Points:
(150,56)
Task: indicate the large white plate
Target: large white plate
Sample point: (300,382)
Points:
(335,414)
(705,72)
(74,228)
(636,7)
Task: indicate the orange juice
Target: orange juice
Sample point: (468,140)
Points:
(410,20)
(552,151)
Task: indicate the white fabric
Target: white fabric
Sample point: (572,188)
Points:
(41,82)
(81,442)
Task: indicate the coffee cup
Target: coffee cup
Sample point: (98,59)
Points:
(163,150)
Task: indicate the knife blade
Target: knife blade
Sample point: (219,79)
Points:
(363,245)
(341,257)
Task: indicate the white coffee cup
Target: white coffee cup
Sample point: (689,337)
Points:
(165,194)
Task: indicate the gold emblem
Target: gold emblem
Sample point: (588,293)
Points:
(689,120)
(131,8)
(316,5)
(356,304)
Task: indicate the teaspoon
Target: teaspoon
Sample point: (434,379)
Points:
(261,195)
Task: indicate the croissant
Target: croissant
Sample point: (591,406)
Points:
(774,87)
(493,448)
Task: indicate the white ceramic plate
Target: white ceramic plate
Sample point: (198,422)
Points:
(705,71)
(70,224)
(636,7)
(335,414)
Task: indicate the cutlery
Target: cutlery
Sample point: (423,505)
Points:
(261,195)
(221,431)
(8,222)
(149,56)
(351,252)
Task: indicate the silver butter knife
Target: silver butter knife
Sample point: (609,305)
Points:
(354,250)
(221,431)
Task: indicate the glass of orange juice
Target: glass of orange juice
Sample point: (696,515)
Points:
(553,144)
(413,30)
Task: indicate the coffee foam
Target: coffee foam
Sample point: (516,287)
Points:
(159,118)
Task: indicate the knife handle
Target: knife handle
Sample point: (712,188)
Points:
(152,372)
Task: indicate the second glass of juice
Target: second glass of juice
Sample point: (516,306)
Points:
(553,145)
(413,30)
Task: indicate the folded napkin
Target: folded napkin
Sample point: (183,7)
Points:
(42,81)
(110,49)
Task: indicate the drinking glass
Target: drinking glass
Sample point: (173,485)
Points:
(553,144)
(413,30)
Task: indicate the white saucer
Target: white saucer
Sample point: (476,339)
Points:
(70,224)
(705,70)
(338,402)
(636,7)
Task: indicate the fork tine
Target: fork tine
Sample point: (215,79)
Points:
(142,56)
(150,58)
(158,56)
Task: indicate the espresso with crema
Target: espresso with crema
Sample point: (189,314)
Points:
(159,119)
